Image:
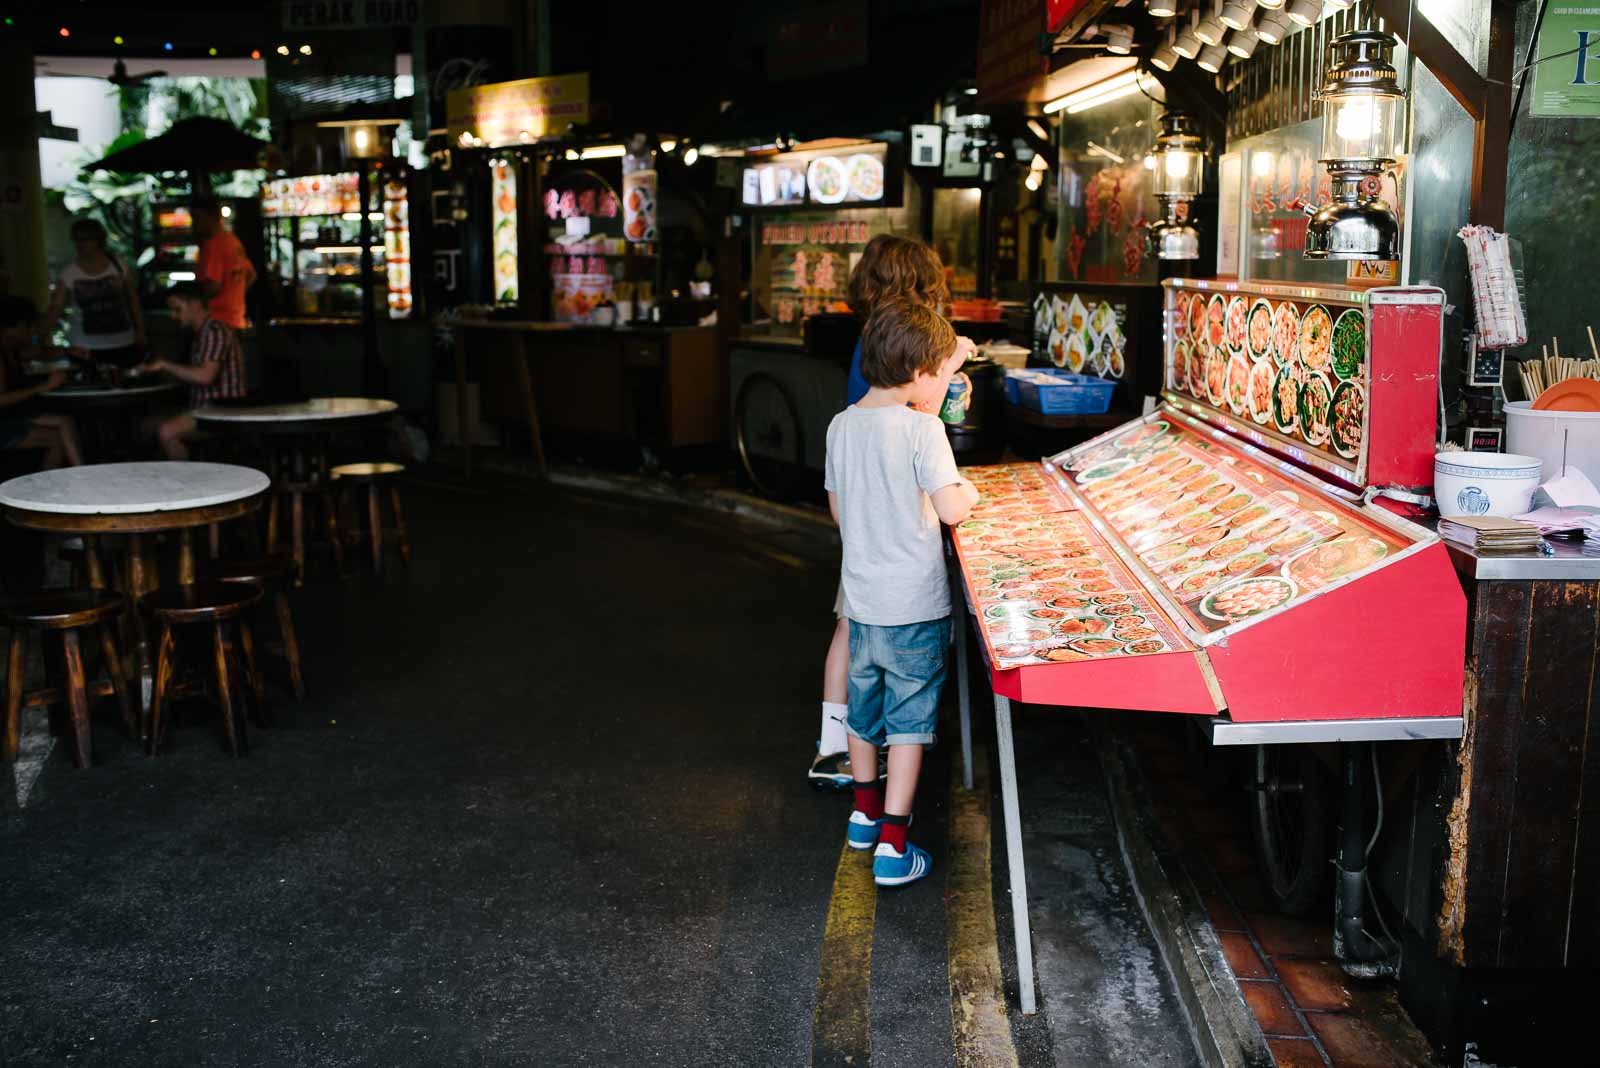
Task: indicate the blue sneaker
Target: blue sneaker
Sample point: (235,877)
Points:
(861,832)
(891,868)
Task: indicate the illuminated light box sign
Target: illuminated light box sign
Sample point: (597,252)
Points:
(510,113)
(852,176)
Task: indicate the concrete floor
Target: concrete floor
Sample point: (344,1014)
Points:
(543,806)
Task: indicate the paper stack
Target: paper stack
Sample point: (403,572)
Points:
(1490,534)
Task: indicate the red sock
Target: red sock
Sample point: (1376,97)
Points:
(869,799)
(893,831)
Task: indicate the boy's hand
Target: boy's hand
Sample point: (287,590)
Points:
(966,398)
(54,380)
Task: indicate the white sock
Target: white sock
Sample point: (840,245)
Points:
(833,738)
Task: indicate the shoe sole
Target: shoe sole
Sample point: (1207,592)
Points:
(828,784)
(861,847)
(901,880)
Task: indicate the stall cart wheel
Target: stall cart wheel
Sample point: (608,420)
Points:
(767,429)
(1292,825)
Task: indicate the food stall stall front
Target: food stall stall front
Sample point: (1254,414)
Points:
(1227,555)
(573,249)
(317,282)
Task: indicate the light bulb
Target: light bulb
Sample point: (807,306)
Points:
(1186,44)
(1162,9)
(1149,162)
(690,154)
(1243,42)
(1235,14)
(1177,164)
(362,139)
(1272,27)
(1211,58)
(1032,180)
(1210,29)
(1357,120)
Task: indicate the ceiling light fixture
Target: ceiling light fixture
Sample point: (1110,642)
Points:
(1212,58)
(1162,9)
(1243,42)
(1210,29)
(1119,39)
(1305,12)
(1165,57)
(1187,43)
(1235,14)
(1272,27)
(1038,129)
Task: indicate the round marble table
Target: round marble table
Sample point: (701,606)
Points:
(97,395)
(133,499)
(318,415)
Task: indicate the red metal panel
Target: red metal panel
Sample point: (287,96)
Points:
(1392,643)
(1403,396)
(1164,682)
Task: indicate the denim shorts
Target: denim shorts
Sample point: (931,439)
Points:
(896,675)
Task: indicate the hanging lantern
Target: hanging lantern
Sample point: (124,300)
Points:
(1362,119)
(1179,158)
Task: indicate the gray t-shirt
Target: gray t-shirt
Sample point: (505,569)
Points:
(884,464)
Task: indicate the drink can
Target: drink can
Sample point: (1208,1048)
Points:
(954,411)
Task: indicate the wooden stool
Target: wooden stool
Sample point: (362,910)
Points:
(66,611)
(298,492)
(376,477)
(271,573)
(219,604)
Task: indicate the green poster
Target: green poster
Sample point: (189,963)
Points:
(1566,82)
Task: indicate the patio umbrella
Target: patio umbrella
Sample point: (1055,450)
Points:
(198,145)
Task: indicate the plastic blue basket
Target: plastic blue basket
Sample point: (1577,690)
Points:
(1068,394)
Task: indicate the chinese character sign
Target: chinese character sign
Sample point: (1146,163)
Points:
(1566,83)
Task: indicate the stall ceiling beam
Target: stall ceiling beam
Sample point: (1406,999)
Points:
(1486,98)
(1435,52)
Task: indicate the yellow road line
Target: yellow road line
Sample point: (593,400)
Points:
(978,1017)
(841,1032)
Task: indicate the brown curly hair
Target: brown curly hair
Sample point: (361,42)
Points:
(893,266)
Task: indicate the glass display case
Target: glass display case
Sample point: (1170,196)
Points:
(177,250)
(313,244)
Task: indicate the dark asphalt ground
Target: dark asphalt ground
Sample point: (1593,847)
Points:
(543,806)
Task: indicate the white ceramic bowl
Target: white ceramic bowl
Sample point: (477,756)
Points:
(1484,483)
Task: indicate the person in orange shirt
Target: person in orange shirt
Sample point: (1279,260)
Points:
(225,271)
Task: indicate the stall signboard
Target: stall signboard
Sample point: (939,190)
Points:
(804,42)
(1566,83)
(851,176)
(310,194)
(803,262)
(1010,65)
(503,213)
(516,112)
(350,14)
(639,205)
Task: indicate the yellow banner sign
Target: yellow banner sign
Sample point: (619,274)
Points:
(509,113)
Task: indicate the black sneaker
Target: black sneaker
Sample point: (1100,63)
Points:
(832,772)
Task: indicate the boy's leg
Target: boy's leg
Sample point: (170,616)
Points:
(914,676)
(172,433)
(66,433)
(865,724)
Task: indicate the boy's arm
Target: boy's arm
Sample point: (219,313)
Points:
(833,506)
(954,502)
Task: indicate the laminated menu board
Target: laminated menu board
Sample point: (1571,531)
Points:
(1335,378)
(1109,330)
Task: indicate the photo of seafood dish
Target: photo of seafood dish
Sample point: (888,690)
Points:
(1261,391)
(1096,646)
(866,177)
(1258,329)
(1102,318)
(1116,365)
(1058,309)
(1077,315)
(1238,312)
(1320,565)
(1145,645)
(1349,343)
(1216,324)
(1077,353)
(1197,323)
(1285,332)
(1316,399)
(1056,349)
(1179,318)
(828,181)
(1349,412)
(1247,597)
(1286,399)
(1237,386)
(1316,338)
(1217,378)
(1181,366)
(1197,372)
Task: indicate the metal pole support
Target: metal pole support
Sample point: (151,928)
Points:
(1019,879)
(964,693)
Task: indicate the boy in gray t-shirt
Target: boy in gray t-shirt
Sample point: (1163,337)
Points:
(891,481)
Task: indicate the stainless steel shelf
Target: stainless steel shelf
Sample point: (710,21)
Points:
(1297,732)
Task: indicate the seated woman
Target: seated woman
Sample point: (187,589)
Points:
(56,434)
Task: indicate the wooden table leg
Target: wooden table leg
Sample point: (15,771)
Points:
(465,431)
(185,557)
(525,375)
(138,577)
(92,563)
